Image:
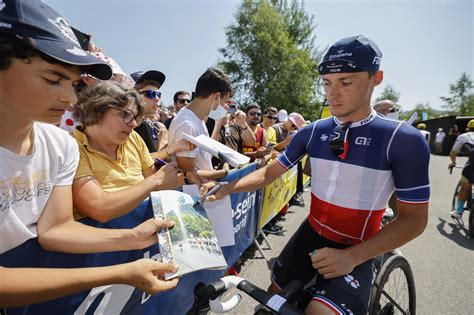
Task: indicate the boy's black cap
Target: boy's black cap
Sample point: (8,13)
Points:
(351,54)
(152,75)
(51,34)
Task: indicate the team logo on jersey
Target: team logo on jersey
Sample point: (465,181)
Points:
(324,137)
(353,282)
(363,141)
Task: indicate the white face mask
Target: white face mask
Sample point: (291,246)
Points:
(217,113)
(393,115)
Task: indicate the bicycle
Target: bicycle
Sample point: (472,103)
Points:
(469,207)
(393,291)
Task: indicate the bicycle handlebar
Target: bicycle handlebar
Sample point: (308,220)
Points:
(275,302)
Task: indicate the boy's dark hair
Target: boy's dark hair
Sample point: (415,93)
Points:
(251,106)
(177,94)
(212,81)
(13,47)
(270,110)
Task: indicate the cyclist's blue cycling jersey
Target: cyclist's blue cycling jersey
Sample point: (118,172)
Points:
(349,196)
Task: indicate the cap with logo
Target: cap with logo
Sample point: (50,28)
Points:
(351,54)
(152,75)
(51,34)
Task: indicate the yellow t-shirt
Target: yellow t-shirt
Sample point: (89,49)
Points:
(272,136)
(133,158)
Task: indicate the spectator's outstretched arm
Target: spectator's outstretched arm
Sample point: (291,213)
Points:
(22,286)
(247,134)
(57,230)
(91,200)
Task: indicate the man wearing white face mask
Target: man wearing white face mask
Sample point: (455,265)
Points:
(213,89)
(387,108)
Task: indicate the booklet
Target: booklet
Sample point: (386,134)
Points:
(219,150)
(191,243)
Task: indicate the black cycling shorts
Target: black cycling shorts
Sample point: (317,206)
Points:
(468,169)
(345,295)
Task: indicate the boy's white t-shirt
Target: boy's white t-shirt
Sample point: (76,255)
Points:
(187,122)
(26,182)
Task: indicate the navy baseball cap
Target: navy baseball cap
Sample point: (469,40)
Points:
(351,54)
(50,33)
(152,75)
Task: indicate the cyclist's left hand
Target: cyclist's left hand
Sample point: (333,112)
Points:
(332,262)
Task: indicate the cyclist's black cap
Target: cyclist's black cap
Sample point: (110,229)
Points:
(51,34)
(152,75)
(351,54)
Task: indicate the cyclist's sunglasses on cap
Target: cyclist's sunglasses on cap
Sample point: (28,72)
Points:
(152,94)
(339,143)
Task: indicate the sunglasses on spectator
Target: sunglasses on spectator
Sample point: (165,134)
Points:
(392,110)
(128,116)
(255,114)
(339,144)
(151,94)
(271,117)
(184,100)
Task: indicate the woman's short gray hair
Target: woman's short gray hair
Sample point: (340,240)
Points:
(98,98)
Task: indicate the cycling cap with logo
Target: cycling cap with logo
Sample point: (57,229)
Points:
(51,34)
(351,54)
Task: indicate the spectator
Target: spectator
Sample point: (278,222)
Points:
(269,119)
(286,130)
(68,122)
(213,89)
(426,134)
(39,161)
(180,99)
(151,130)
(259,149)
(387,108)
(439,139)
(233,130)
(116,172)
(164,116)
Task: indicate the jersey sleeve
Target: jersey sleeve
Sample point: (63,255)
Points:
(297,148)
(460,140)
(409,157)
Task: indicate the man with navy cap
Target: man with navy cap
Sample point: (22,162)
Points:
(358,158)
(40,63)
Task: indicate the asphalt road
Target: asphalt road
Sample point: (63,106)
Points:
(442,258)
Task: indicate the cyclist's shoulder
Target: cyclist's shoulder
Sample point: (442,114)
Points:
(467,137)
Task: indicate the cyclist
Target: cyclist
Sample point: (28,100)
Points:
(357,159)
(464,141)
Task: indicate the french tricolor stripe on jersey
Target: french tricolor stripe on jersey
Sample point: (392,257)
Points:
(331,305)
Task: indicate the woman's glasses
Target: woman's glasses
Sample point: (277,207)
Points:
(339,144)
(128,116)
(271,117)
(151,94)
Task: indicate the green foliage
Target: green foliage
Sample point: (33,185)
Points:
(270,57)
(461,99)
(389,93)
(193,225)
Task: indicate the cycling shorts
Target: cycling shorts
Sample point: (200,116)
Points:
(344,295)
(468,169)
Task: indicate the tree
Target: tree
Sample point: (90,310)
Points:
(270,58)
(389,93)
(461,99)
(420,108)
